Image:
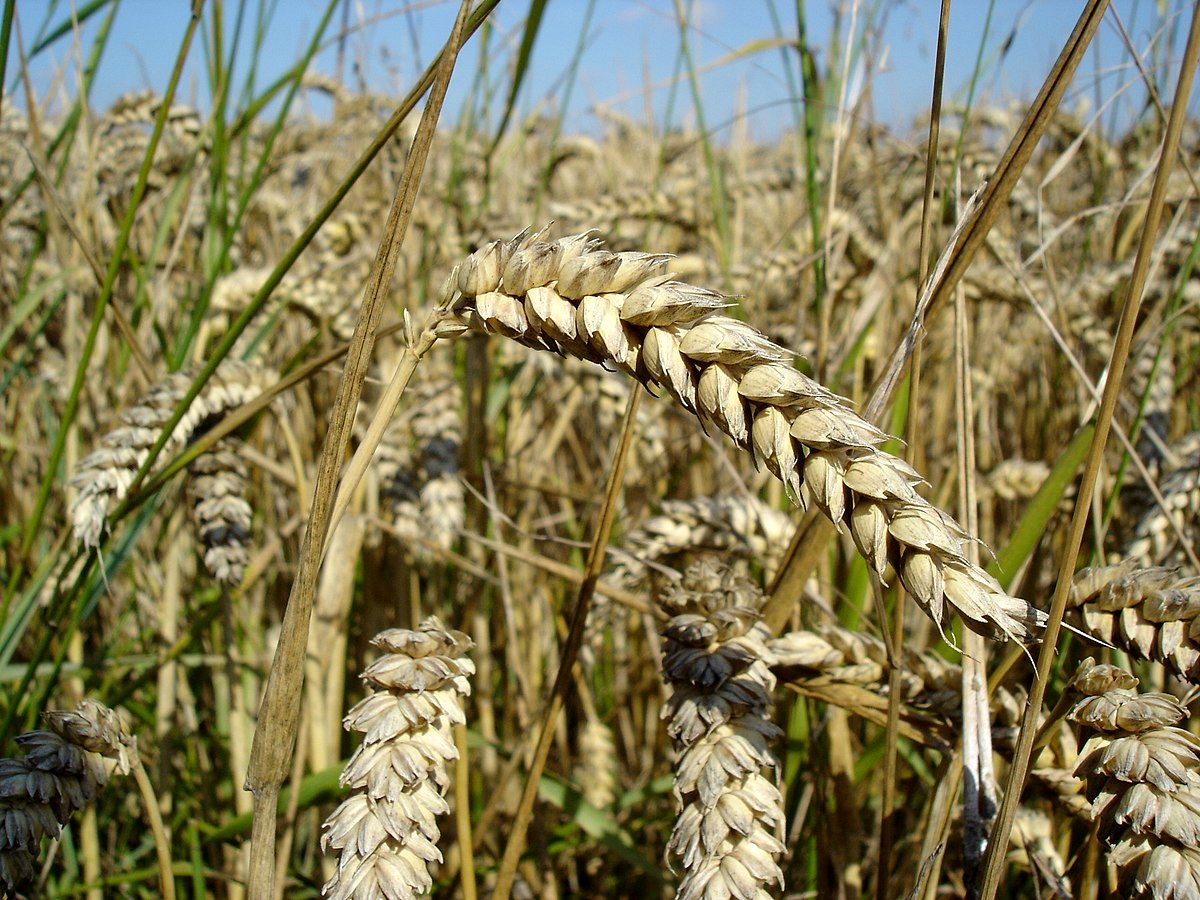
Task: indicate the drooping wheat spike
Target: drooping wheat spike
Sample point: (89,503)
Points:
(623,310)
(726,835)
(1155,542)
(1143,780)
(386,832)
(735,523)
(220,510)
(103,477)
(62,771)
(1152,613)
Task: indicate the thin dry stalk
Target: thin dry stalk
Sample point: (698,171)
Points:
(913,435)
(515,845)
(280,710)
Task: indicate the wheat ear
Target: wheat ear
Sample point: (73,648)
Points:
(624,311)
(62,771)
(730,812)
(1143,782)
(1155,541)
(734,523)
(220,510)
(1151,613)
(104,476)
(386,832)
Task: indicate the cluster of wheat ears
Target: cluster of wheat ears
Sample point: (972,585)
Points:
(708,519)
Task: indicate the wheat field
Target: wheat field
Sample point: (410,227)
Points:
(407,501)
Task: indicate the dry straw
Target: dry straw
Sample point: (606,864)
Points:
(1143,781)
(62,771)
(624,310)
(726,836)
(386,832)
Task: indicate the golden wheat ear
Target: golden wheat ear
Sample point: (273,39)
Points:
(623,310)
(1151,613)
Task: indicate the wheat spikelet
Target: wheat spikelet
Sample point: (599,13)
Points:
(62,771)
(1017,479)
(730,812)
(1142,778)
(103,477)
(386,832)
(734,523)
(622,310)
(220,511)
(1152,613)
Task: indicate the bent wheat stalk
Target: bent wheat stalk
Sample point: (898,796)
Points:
(623,310)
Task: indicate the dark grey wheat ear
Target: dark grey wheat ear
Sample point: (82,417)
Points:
(221,513)
(63,769)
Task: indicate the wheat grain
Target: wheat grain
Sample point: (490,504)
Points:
(386,832)
(1142,777)
(62,771)
(730,812)
(1152,613)
(103,477)
(623,310)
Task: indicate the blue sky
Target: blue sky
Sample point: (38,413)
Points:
(631,50)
